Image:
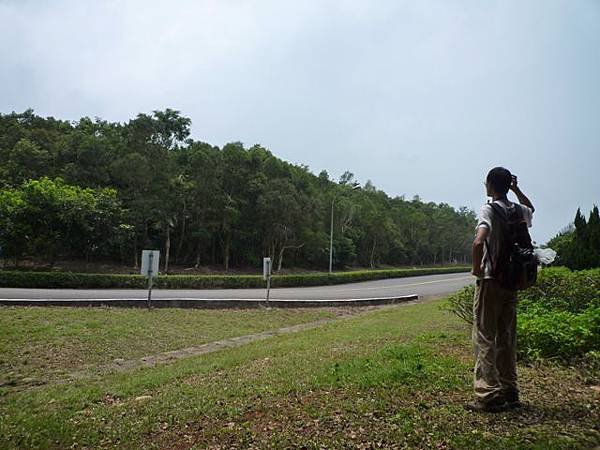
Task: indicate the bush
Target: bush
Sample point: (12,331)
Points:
(559,288)
(558,334)
(68,280)
(461,303)
(559,317)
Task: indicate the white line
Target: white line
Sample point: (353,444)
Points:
(201,299)
(399,286)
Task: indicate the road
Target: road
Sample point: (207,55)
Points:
(424,286)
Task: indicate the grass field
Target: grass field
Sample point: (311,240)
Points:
(47,343)
(389,378)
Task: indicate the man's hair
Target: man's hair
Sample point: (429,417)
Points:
(500,179)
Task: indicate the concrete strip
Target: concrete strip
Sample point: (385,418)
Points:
(210,347)
(207,303)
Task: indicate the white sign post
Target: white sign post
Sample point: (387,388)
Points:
(267,275)
(150,259)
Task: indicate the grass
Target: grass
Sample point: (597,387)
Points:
(391,378)
(47,343)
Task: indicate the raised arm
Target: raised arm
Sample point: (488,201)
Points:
(523,200)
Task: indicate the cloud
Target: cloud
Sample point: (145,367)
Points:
(420,97)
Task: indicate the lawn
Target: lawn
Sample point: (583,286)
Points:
(389,378)
(42,344)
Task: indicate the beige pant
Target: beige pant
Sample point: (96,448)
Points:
(494,337)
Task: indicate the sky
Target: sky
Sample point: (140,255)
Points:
(420,97)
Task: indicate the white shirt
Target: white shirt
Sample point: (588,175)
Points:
(485,220)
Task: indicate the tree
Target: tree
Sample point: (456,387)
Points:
(14,230)
(26,161)
(201,204)
(49,218)
(593,238)
(578,246)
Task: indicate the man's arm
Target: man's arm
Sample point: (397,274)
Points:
(523,200)
(477,256)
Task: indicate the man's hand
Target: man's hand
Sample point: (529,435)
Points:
(514,183)
(523,200)
(477,272)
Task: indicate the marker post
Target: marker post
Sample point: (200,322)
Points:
(267,276)
(150,259)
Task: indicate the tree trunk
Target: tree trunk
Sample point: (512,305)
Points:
(213,250)
(135,254)
(198,255)
(283,248)
(373,253)
(146,234)
(167,248)
(280,262)
(180,245)
(226,253)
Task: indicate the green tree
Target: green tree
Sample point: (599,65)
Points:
(26,161)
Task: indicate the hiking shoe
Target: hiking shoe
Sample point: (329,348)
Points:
(512,401)
(492,406)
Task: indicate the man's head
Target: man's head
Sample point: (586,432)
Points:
(498,181)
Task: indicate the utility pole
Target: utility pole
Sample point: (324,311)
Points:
(331,238)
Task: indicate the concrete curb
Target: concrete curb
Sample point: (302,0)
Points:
(207,303)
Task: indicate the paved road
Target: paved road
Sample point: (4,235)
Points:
(423,286)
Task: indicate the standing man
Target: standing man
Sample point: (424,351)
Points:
(494,308)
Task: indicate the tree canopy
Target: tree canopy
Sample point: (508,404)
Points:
(93,189)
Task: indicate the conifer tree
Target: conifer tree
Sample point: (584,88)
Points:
(593,226)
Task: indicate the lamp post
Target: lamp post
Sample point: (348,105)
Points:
(355,187)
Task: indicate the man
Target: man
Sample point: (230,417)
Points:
(494,308)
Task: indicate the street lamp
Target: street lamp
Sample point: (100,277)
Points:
(355,187)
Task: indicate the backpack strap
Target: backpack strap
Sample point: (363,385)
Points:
(519,215)
(503,216)
(489,255)
(485,241)
(499,210)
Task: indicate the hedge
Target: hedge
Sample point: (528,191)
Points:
(558,317)
(69,280)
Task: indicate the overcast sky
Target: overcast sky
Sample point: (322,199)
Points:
(421,97)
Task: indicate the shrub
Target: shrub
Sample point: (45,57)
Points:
(558,334)
(559,317)
(461,303)
(559,288)
(18,279)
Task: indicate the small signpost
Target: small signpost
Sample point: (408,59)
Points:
(267,266)
(149,269)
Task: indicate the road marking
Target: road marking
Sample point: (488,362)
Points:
(260,299)
(399,286)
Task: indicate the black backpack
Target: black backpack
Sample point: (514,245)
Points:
(514,264)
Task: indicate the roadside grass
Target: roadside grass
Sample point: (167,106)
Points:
(391,378)
(47,343)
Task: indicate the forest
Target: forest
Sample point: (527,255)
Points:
(93,190)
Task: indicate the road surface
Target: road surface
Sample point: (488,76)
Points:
(423,286)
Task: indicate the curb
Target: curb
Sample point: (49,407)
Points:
(206,303)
